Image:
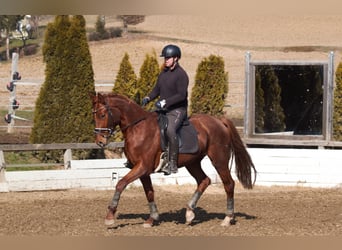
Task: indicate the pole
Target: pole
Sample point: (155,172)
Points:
(11,111)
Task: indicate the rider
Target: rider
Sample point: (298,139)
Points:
(172,89)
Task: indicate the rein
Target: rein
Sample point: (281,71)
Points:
(132,124)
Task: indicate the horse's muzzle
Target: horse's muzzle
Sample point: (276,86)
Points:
(101,144)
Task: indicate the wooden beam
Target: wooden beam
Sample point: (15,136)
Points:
(289,142)
(57,146)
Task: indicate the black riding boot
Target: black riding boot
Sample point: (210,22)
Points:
(171,166)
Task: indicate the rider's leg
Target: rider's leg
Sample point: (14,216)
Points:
(175,120)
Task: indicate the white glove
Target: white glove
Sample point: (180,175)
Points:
(160,104)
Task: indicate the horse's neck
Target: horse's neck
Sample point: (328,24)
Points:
(130,113)
(131,116)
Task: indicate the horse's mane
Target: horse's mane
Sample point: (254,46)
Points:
(113,94)
(130,103)
(119,96)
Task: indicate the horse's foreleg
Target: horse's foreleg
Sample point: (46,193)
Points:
(149,192)
(203,182)
(121,185)
(110,217)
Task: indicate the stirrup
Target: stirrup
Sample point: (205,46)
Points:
(169,168)
(166,169)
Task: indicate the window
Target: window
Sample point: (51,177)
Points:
(288,99)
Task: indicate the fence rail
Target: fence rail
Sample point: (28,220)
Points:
(54,146)
(275,166)
(67,147)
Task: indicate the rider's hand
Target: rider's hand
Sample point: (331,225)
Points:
(160,104)
(145,100)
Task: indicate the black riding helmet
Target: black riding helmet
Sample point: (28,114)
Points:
(171,51)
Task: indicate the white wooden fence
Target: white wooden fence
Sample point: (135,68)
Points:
(281,167)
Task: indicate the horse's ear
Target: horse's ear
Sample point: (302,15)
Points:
(100,98)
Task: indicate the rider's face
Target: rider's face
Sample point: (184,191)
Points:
(169,61)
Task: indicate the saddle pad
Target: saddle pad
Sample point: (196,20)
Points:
(188,139)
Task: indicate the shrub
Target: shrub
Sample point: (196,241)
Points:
(115,32)
(211,86)
(337,112)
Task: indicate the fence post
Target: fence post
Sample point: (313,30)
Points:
(67,158)
(11,111)
(3,182)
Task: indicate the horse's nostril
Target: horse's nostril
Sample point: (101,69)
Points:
(101,144)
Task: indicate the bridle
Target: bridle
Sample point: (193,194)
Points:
(110,130)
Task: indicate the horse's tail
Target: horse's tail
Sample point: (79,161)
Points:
(243,162)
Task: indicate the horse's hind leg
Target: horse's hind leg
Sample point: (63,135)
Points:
(229,186)
(149,192)
(203,182)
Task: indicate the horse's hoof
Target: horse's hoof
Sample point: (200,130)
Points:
(110,217)
(189,215)
(109,222)
(148,223)
(228,221)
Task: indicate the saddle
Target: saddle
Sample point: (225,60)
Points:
(187,135)
(187,138)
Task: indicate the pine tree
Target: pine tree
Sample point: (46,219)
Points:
(149,72)
(211,87)
(126,79)
(337,117)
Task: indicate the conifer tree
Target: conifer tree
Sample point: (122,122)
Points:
(63,108)
(125,84)
(49,114)
(81,82)
(211,87)
(126,79)
(274,114)
(337,116)
(259,105)
(149,72)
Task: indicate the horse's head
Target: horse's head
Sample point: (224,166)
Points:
(106,119)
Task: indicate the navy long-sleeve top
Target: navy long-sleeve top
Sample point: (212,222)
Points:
(172,86)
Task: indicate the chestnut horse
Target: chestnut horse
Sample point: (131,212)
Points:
(217,138)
